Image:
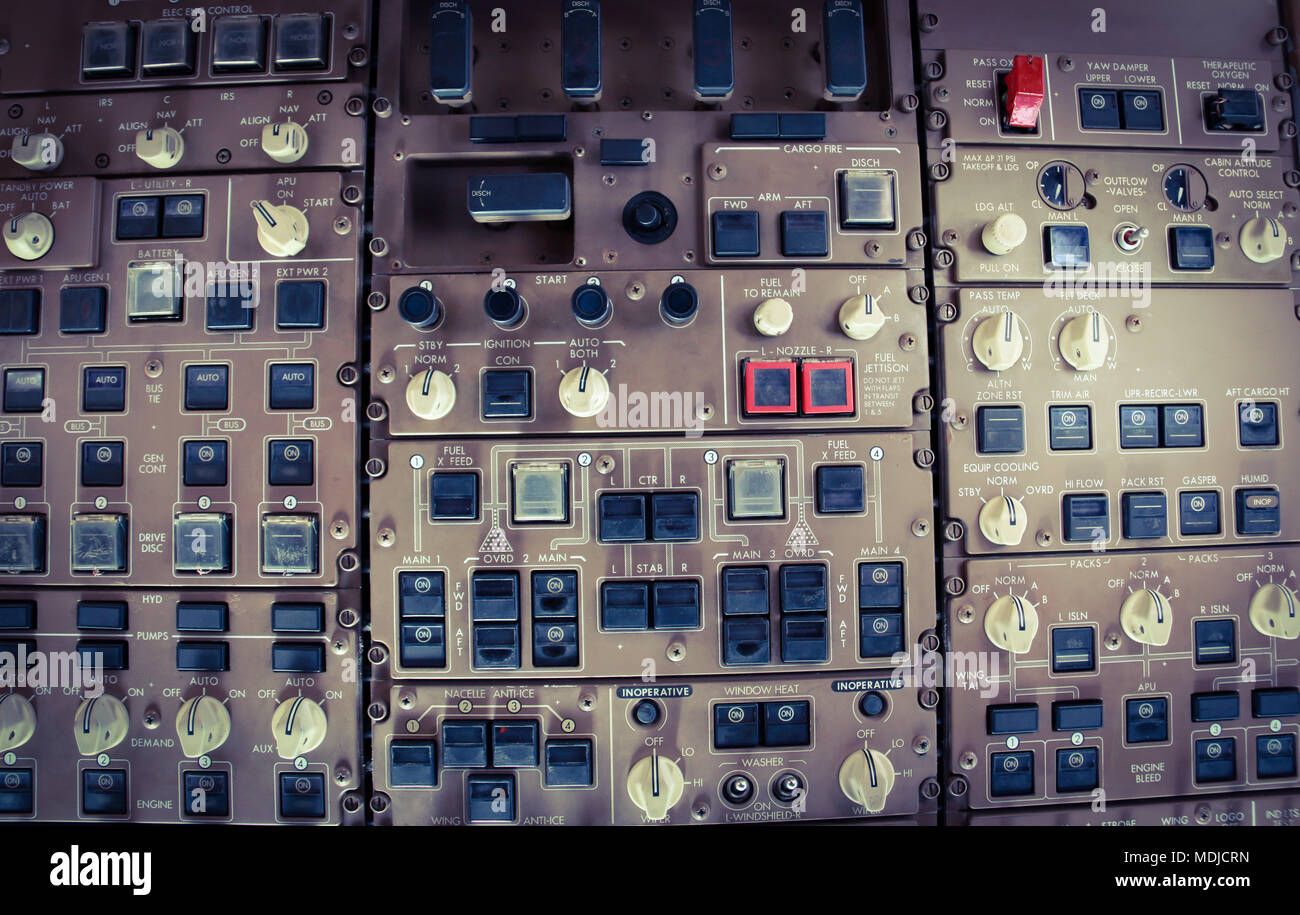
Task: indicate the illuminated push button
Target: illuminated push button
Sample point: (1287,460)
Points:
(167,47)
(103,389)
(203,725)
(21,464)
(108,50)
(160,147)
(22,543)
(431,394)
(282,230)
(299,726)
(201,542)
(301,41)
(866,778)
(37,152)
(1004,234)
(292,386)
(204,463)
(826,387)
(584,391)
(154,291)
(29,236)
(238,44)
(678,304)
(303,795)
(98,543)
(17,721)
(1003,521)
(539,492)
(100,725)
(770,387)
(284,141)
(1085,341)
(105,792)
(83,309)
(1147,618)
(290,544)
(773,317)
(591,305)
(755,490)
(1262,239)
(1273,612)
(997,341)
(655,783)
(1011,623)
(291,462)
(419,307)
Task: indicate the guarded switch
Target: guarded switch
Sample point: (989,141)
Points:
(1011,623)
(1025,91)
(997,341)
(299,726)
(1085,341)
(1147,618)
(203,725)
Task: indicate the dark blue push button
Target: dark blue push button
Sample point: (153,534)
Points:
(21,464)
(1141,110)
(1017,718)
(1077,769)
(713,55)
(423,644)
(206,793)
(167,48)
(302,795)
(745,590)
(24,390)
(580,76)
(507,394)
(803,588)
(104,792)
(805,639)
(490,798)
(555,595)
(1216,760)
(736,725)
(746,640)
(111,653)
(202,655)
(17,614)
(1099,109)
(451,51)
(1146,720)
(138,218)
(421,594)
(16,791)
(108,50)
(225,312)
(1216,642)
(207,387)
(464,744)
(735,234)
(83,309)
(880,633)
(101,463)
(1275,702)
(101,614)
(1198,513)
(182,216)
(1275,756)
(804,233)
(300,304)
(1220,706)
(1257,425)
(514,745)
(292,386)
(20,311)
(239,44)
(841,489)
(624,605)
(204,463)
(1000,430)
(301,41)
(297,616)
(453,495)
(298,657)
(494,597)
(787,724)
(1259,512)
(495,647)
(103,389)
(413,764)
(1074,649)
(1077,715)
(1086,517)
(202,616)
(1144,515)
(675,605)
(291,462)
(1139,426)
(674,516)
(621,517)
(555,643)
(1191,247)
(1182,426)
(1011,774)
(844,50)
(880,585)
(568,763)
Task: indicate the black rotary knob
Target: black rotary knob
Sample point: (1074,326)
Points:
(420,307)
(505,306)
(679,303)
(591,305)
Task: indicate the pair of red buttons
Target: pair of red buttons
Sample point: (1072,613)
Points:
(808,387)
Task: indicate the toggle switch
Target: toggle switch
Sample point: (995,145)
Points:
(281,229)
(584,391)
(431,394)
(1273,612)
(17,721)
(1147,618)
(202,724)
(1085,341)
(1025,89)
(1003,521)
(299,726)
(284,141)
(29,236)
(37,152)
(997,342)
(866,778)
(101,724)
(1004,234)
(1011,623)
(861,317)
(655,783)
(160,147)
(773,317)
(1263,239)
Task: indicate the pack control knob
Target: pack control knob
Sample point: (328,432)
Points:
(1003,521)
(17,721)
(1263,239)
(1146,617)
(160,147)
(866,778)
(1085,342)
(101,724)
(997,341)
(1273,612)
(1011,623)
(284,141)
(773,317)
(431,394)
(861,317)
(299,726)
(202,724)
(282,229)
(584,391)
(1004,234)
(29,236)
(655,783)
(37,152)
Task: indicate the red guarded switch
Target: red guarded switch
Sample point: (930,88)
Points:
(1025,91)
(826,388)
(770,387)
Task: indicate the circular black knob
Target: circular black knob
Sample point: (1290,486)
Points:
(419,307)
(505,306)
(738,789)
(679,303)
(591,305)
(787,787)
(649,217)
(871,704)
(646,712)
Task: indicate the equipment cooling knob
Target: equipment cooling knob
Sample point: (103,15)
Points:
(584,391)
(866,778)
(299,726)
(101,724)
(202,724)
(281,230)
(1003,521)
(997,342)
(29,236)
(1085,342)
(1011,623)
(17,721)
(1273,612)
(655,783)
(861,317)
(431,394)
(1004,234)
(1147,618)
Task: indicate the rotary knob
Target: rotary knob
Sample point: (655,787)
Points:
(1003,521)
(29,236)
(284,141)
(37,152)
(1004,234)
(101,724)
(997,342)
(655,783)
(431,394)
(1273,612)
(584,391)
(773,317)
(281,229)
(1085,341)
(1146,617)
(1011,623)
(17,721)
(160,147)
(861,317)
(866,778)
(299,726)
(202,724)
(1263,239)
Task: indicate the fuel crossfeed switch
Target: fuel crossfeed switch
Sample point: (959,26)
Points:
(1024,86)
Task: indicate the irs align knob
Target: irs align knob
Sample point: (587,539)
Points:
(773,317)
(1263,239)
(1085,342)
(866,778)
(202,724)
(431,394)
(505,306)
(591,305)
(1003,521)
(861,317)
(101,724)
(29,236)
(160,147)
(420,307)
(37,152)
(284,141)
(655,783)
(1273,612)
(299,726)
(1146,617)
(281,230)
(584,391)
(997,342)
(1011,623)
(17,721)
(1004,234)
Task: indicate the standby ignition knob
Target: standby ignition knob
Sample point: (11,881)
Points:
(1146,618)
(431,394)
(281,230)
(37,152)
(1263,239)
(1003,521)
(284,141)
(30,236)
(1011,623)
(17,721)
(584,391)
(773,317)
(160,147)
(997,341)
(1273,612)
(202,724)
(866,778)
(655,783)
(1004,234)
(101,724)
(299,726)
(861,317)
(1085,342)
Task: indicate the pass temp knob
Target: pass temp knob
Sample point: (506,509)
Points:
(1273,612)
(160,147)
(584,391)
(29,236)
(1003,521)
(17,721)
(1146,617)
(866,778)
(861,318)
(655,783)
(1263,239)
(284,141)
(202,724)
(1085,342)
(101,724)
(431,394)
(997,341)
(1011,623)
(299,726)
(1004,234)
(37,152)
(281,229)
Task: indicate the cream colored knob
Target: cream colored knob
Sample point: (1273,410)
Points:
(866,778)
(101,724)
(202,724)
(1011,623)
(1085,342)
(161,147)
(431,394)
(584,391)
(284,141)
(299,726)
(29,236)
(281,230)
(1263,239)
(861,317)
(1273,612)
(1003,521)
(37,152)
(17,721)
(1004,234)
(655,783)
(773,317)
(1147,618)
(997,341)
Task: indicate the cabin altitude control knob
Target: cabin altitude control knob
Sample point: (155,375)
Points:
(160,147)
(1146,617)
(1273,612)
(17,721)
(584,391)
(37,152)
(997,341)
(1011,623)
(1085,342)
(655,783)
(1003,521)
(1004,234)
(299,726)
(866,778)
(100,725)
(431,394)
(1263,239)
(861,317)
(284,141)
(281,229)
(202,724)
(29,236)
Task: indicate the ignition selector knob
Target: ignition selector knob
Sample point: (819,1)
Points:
(282,229)
(101,724)
(1263,239)
(679,303)
(419,307)
(591,305)
(299,726)
(17,721)
(37,152)
(861,317)
(997,341)
(1004,234)
(1011,623)
(1003,521)
(202,724)
(584,391)
(29,236)
(773,317)
(505,307)
(284,141)
(1146,617)
(866,778)
(1273,612)
(160,147)
(655,783)
(431,394)
(1085,342)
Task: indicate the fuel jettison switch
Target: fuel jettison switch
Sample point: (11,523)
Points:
(1024,85)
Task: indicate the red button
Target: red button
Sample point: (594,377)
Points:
(1025,91)
(770,387)
(827,387)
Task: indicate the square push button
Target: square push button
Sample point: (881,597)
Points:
(101,615)
(490,798)
(1257,425)
(1074,649)
(507,394)
(787,724)
(675,605)
(804,639)
(202,616)
(1259,512)
(514,745)
(413,764)
(302,795)
(301,41)
(291,462)
(880,585)
(1086,517)
(804,233)
(555,595)
(204,463)
(108,50)
(866,199)
(421,594)
(494,597)
(841,489)
(292,386)
(238,44)
(1182,426)
(1144,515)
(22,543)
(1275,702)
(453,495)
(207,387)
(20,311)
(192,655)
(423,644)
(167,48)
(1077,715)
(770,387)
(21,464)
(1275,756)
(746,640)
(1077,769)
(1066,246)
(674,517)
(736,725)
(297,616)
(1141,110)
(1216,642)
(1191,247)
(1139,426)
(539,492)
(1011,774)
(154,291)
(83,309)
(201,542)
(880,633)
(103,389)
(1146,720)
(568,763)
(464,744)
(1099,109)
(99,543)
(624,605)
(104,792)
(16,791)
(1220,706)
(1000,430)
(224,312)
(24,390)
(745,590)
(1069,428)
(735,234)
(555,644)
(290,544)
(182,216)
(298,657)
(803,588)
(826,388)
(755,490)
(1198,513)
(1017,718)
(621,517)
(300,304)
(138,218)
(1216,760)
(101,463)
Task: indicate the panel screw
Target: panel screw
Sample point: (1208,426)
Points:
(924,457)
(929,698)
(921,746)
(969,760)
(954,586)
(920,527)
(375,468)
(954,531)
(943,258)
(223,156)
(922,403)
(965,614)
(1043,538)
(937,120)
(339,529)
(939,171)
(387,537)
